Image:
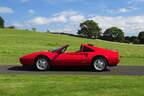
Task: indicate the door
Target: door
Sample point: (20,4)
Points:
(71,59)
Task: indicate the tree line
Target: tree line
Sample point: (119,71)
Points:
(90,29)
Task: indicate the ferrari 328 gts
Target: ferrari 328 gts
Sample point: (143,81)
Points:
(89,56)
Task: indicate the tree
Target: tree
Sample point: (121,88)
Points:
(114,34)
(34,29)
(48,31)
(89,29)
(127,39)
(1,22)
(134,39)
(141,37)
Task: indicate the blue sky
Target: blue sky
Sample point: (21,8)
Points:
(65,15)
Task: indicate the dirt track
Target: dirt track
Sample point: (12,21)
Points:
(119,70)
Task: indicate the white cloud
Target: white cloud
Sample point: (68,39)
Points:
(131,25)
(58,19)
(19,25)
(6,10)
(47,21)
(77,18)
(71,16)
(68,21)
(39,21)
(31,11)
(66,13)
(62,17)
(122,10)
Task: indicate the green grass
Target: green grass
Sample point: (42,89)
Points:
(44,85)
(15,43)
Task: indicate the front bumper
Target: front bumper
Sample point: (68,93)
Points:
(26,61)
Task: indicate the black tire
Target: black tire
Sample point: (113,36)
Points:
(42,63)
(99,64)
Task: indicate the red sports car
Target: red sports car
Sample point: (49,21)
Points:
(88,56)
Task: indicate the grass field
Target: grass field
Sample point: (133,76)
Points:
(15,43)
(44,85)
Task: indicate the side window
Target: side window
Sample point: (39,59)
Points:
(86,49)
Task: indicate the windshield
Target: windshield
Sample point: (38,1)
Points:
(54,49)
(62,49)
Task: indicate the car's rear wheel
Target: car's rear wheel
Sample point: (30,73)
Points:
(42,63)
(99,64)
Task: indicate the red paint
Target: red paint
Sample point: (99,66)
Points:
(81,58)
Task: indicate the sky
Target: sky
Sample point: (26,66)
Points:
(66,15)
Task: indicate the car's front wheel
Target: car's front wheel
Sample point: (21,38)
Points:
(99,64)
(42,63)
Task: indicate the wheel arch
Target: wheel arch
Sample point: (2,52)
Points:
(97,56)
(41,56)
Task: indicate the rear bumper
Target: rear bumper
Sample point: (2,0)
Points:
(114,59)
(114,62)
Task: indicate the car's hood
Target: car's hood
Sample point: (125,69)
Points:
(37,53)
